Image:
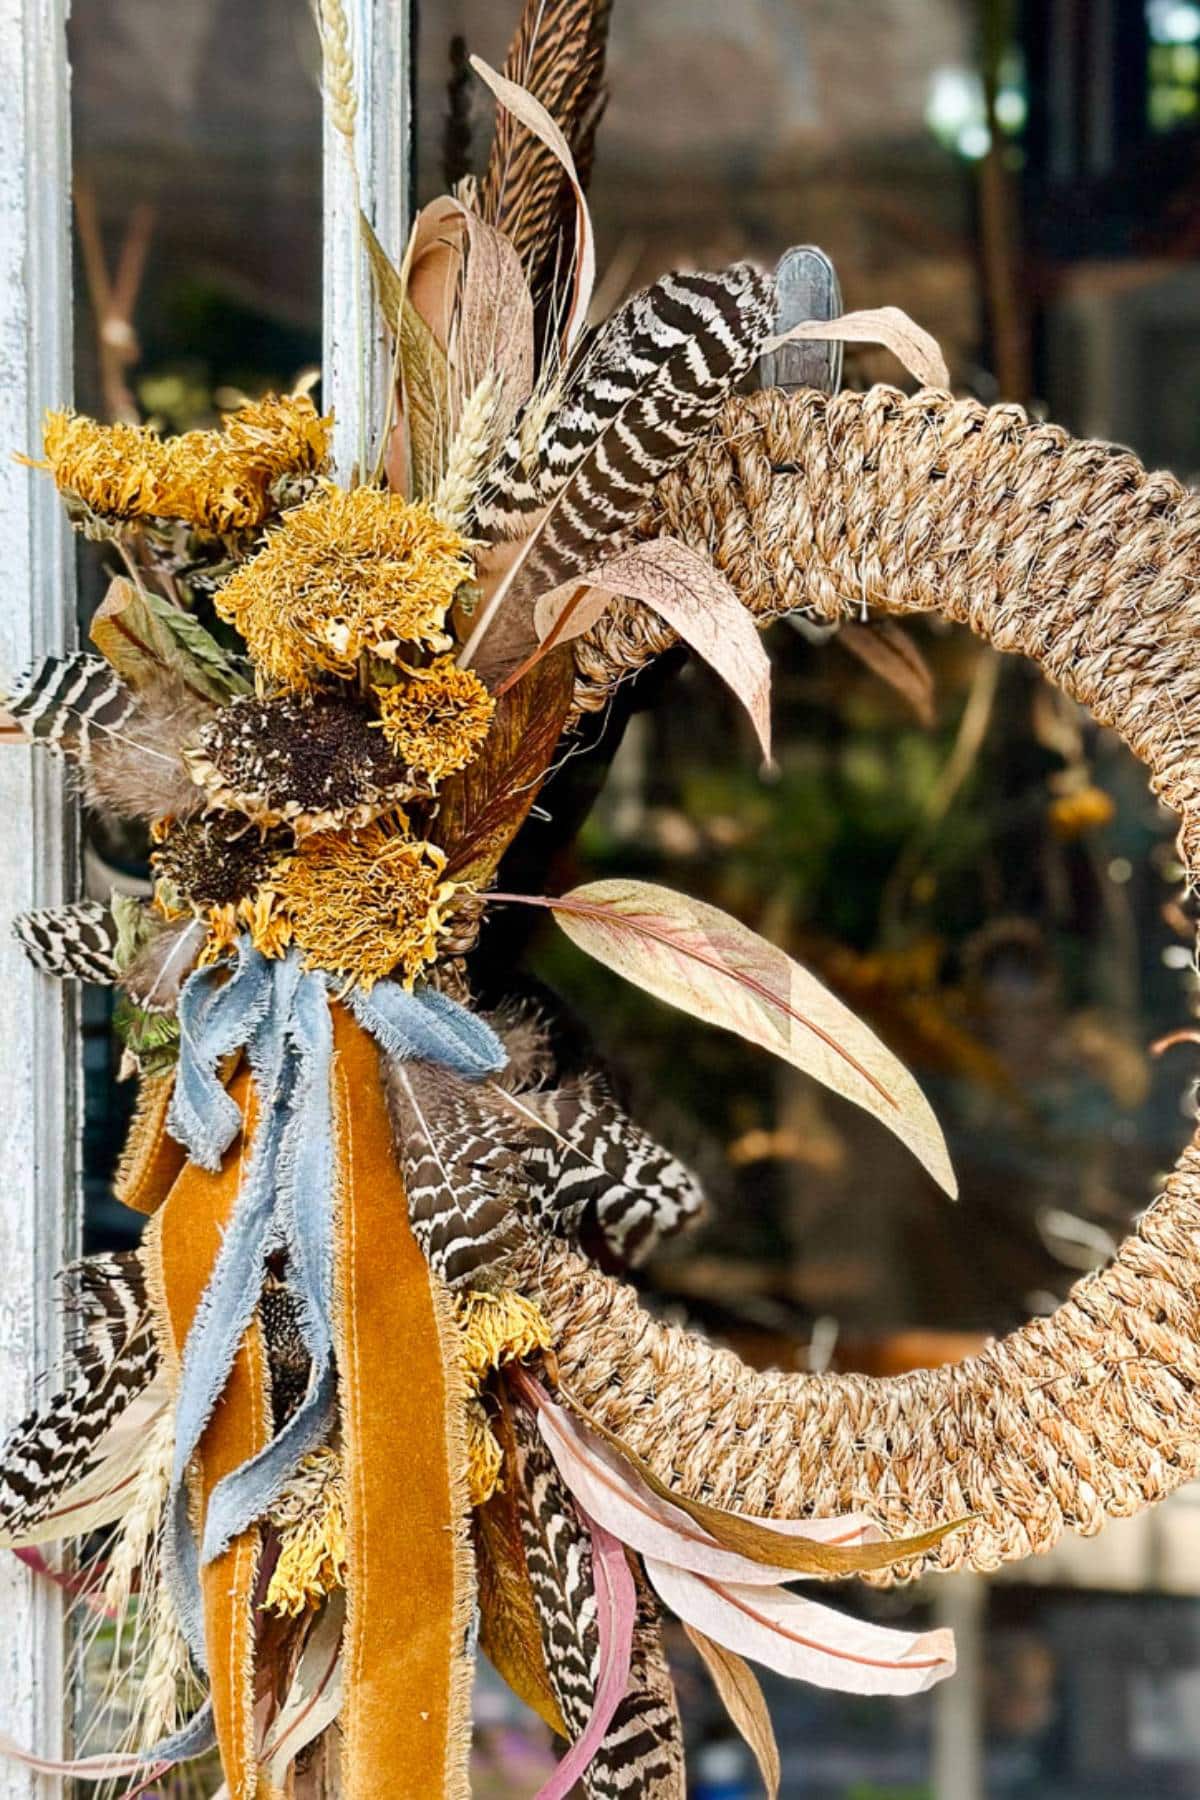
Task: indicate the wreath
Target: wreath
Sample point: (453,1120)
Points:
(370,1389)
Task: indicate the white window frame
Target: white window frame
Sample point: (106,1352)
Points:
(40,1064)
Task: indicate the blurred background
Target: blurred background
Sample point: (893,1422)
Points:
(953,848)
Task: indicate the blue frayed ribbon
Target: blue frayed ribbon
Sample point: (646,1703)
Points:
(277,1014)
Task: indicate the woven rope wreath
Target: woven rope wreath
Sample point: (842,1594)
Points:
(1069,553)
(363,1389)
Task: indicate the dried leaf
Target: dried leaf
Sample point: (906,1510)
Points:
(887,325)
(389,283)
(625,1495)
(533,115)
(465,282)
(710,965)
(314,1697)
(509,1632)
(418,442)
(737,1685)
(483,808)
(142,635)
(800,1638)
(889,652)
(692,596)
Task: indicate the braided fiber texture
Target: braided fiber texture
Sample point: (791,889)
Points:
(1072,554)
(1065,551)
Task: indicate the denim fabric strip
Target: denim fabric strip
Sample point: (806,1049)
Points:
(304,1186)
(193,1738)
(427,1026)
(219,1011)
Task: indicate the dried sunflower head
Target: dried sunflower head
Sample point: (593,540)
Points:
(345,574)
(436,719)
(217,481)
(215,860)
(367,904)
(311,761)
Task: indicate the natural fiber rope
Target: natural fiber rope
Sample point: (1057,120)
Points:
(1072,554)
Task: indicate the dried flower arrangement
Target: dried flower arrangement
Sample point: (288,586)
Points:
(364,1383)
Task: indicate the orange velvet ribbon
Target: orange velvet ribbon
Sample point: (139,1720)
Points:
(406,1678)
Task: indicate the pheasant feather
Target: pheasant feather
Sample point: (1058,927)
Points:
(558,55)
(76,942)
(649,390)
(114,1361)
(641,1757)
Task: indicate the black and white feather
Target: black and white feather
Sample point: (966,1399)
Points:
(591,1173)
(72,943)
(461,1176)
(648,391)
(71,703)
(114,1359)
(125,750)
(641,1757)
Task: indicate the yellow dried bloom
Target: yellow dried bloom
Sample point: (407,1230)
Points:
(485,1459)
(497,1329)
(218,481)
(346,573)
(259,913)
(437,719)
(367,904)
(310,1517)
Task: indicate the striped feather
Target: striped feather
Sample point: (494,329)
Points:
(650,388)
(642,1754)
(558,55)
(70,703)
(72,943)
(591,1171)
(113,1361)
(459,1175)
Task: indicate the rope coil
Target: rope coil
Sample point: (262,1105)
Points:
(1074,555)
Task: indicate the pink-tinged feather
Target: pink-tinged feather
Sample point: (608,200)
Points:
(616,1611)
(802,1639)
(695,600)
(83,1768)
(610,1491)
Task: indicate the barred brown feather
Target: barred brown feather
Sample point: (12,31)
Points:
(641,1757)
(557,54)
(461,1177)
(648,391)
(592,1170)
(115,1358)
(76,942)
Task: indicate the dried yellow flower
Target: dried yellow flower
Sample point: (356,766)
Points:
(345,574)
(310,1518)
(367,904)
(437,719)
(259,913)
(218,481)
